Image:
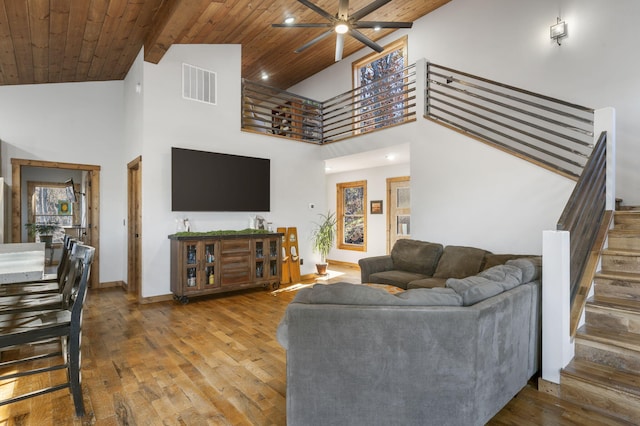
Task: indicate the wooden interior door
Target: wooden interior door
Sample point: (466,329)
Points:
(134,230)
(399,210)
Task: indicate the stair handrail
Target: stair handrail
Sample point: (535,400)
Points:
(584,212)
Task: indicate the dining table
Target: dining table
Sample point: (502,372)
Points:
(21,262)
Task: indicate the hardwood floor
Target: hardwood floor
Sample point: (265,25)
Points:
(214,361)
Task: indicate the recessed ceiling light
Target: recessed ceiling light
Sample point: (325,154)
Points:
(265,76)
(390,157)
(289,20)
(377,28)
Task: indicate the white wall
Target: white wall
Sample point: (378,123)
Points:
(72,123)
(508,41)
(297,170)
(466,193)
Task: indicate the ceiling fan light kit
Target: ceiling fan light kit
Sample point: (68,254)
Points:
(343,23)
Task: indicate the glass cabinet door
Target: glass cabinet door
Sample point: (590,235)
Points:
(191,265)
(209,264)
(259,259)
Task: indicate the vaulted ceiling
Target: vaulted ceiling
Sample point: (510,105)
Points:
(53,41)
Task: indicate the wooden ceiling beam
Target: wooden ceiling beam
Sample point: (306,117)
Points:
(174,18)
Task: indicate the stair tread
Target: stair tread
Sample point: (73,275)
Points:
(625,381)
(625,276)
(619,338)
(631,306)
(620,252)
(631,232)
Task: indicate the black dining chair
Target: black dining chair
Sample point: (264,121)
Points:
(20,329)
(48,284)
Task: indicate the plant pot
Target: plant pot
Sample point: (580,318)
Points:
(47,240)
(322,268)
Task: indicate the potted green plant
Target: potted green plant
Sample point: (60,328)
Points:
(323,237)
(43,230)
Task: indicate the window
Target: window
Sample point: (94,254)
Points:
(379,76)
(352,219)
(49,203)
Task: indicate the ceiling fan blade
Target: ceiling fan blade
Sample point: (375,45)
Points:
(302,25)
(367,9)
(314,41)
(339,46)
(365,40)
(343,10)
(318,10)
(382,24)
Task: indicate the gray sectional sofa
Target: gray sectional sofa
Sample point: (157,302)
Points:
(359,355)
(420,264)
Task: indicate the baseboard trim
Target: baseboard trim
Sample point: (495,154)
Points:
(110,284)
(343,264)
(155,299)
(548,387)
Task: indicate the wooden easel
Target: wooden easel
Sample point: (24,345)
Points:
(294,256)
(285,276)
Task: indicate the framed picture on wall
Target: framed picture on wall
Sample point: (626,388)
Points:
(376,207)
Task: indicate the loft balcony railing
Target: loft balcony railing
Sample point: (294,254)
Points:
(554,134)
(386,102)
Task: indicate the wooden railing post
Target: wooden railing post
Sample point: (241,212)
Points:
(557,345)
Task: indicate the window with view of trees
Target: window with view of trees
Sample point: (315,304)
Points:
(351,211)
(380,81)
(49,203)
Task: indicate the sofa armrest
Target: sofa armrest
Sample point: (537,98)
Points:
(371,265)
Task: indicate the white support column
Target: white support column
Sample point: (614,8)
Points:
(605,121)
(557,345)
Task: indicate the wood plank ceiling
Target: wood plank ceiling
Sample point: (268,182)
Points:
(53,41)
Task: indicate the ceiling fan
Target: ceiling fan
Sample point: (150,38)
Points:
(343,23)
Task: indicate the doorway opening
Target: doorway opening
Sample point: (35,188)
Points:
(88,231)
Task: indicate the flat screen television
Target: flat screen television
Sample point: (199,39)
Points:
(214,182)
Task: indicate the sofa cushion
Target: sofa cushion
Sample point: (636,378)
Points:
(486,284)
(427,283)
(420,257)
(511,275)
(459,262)
(491,260)
(531,268)
(397,278)
(357,294)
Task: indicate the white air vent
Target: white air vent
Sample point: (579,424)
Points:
(199,84)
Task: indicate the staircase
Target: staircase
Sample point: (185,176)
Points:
(605,373)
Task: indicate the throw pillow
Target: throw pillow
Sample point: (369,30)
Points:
(459,262)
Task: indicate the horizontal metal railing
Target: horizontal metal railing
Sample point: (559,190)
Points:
(584,212)
(551,132)
(385,102)
(277,112)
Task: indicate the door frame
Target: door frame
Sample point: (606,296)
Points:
(93,204)
(389,224)
(134,228)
